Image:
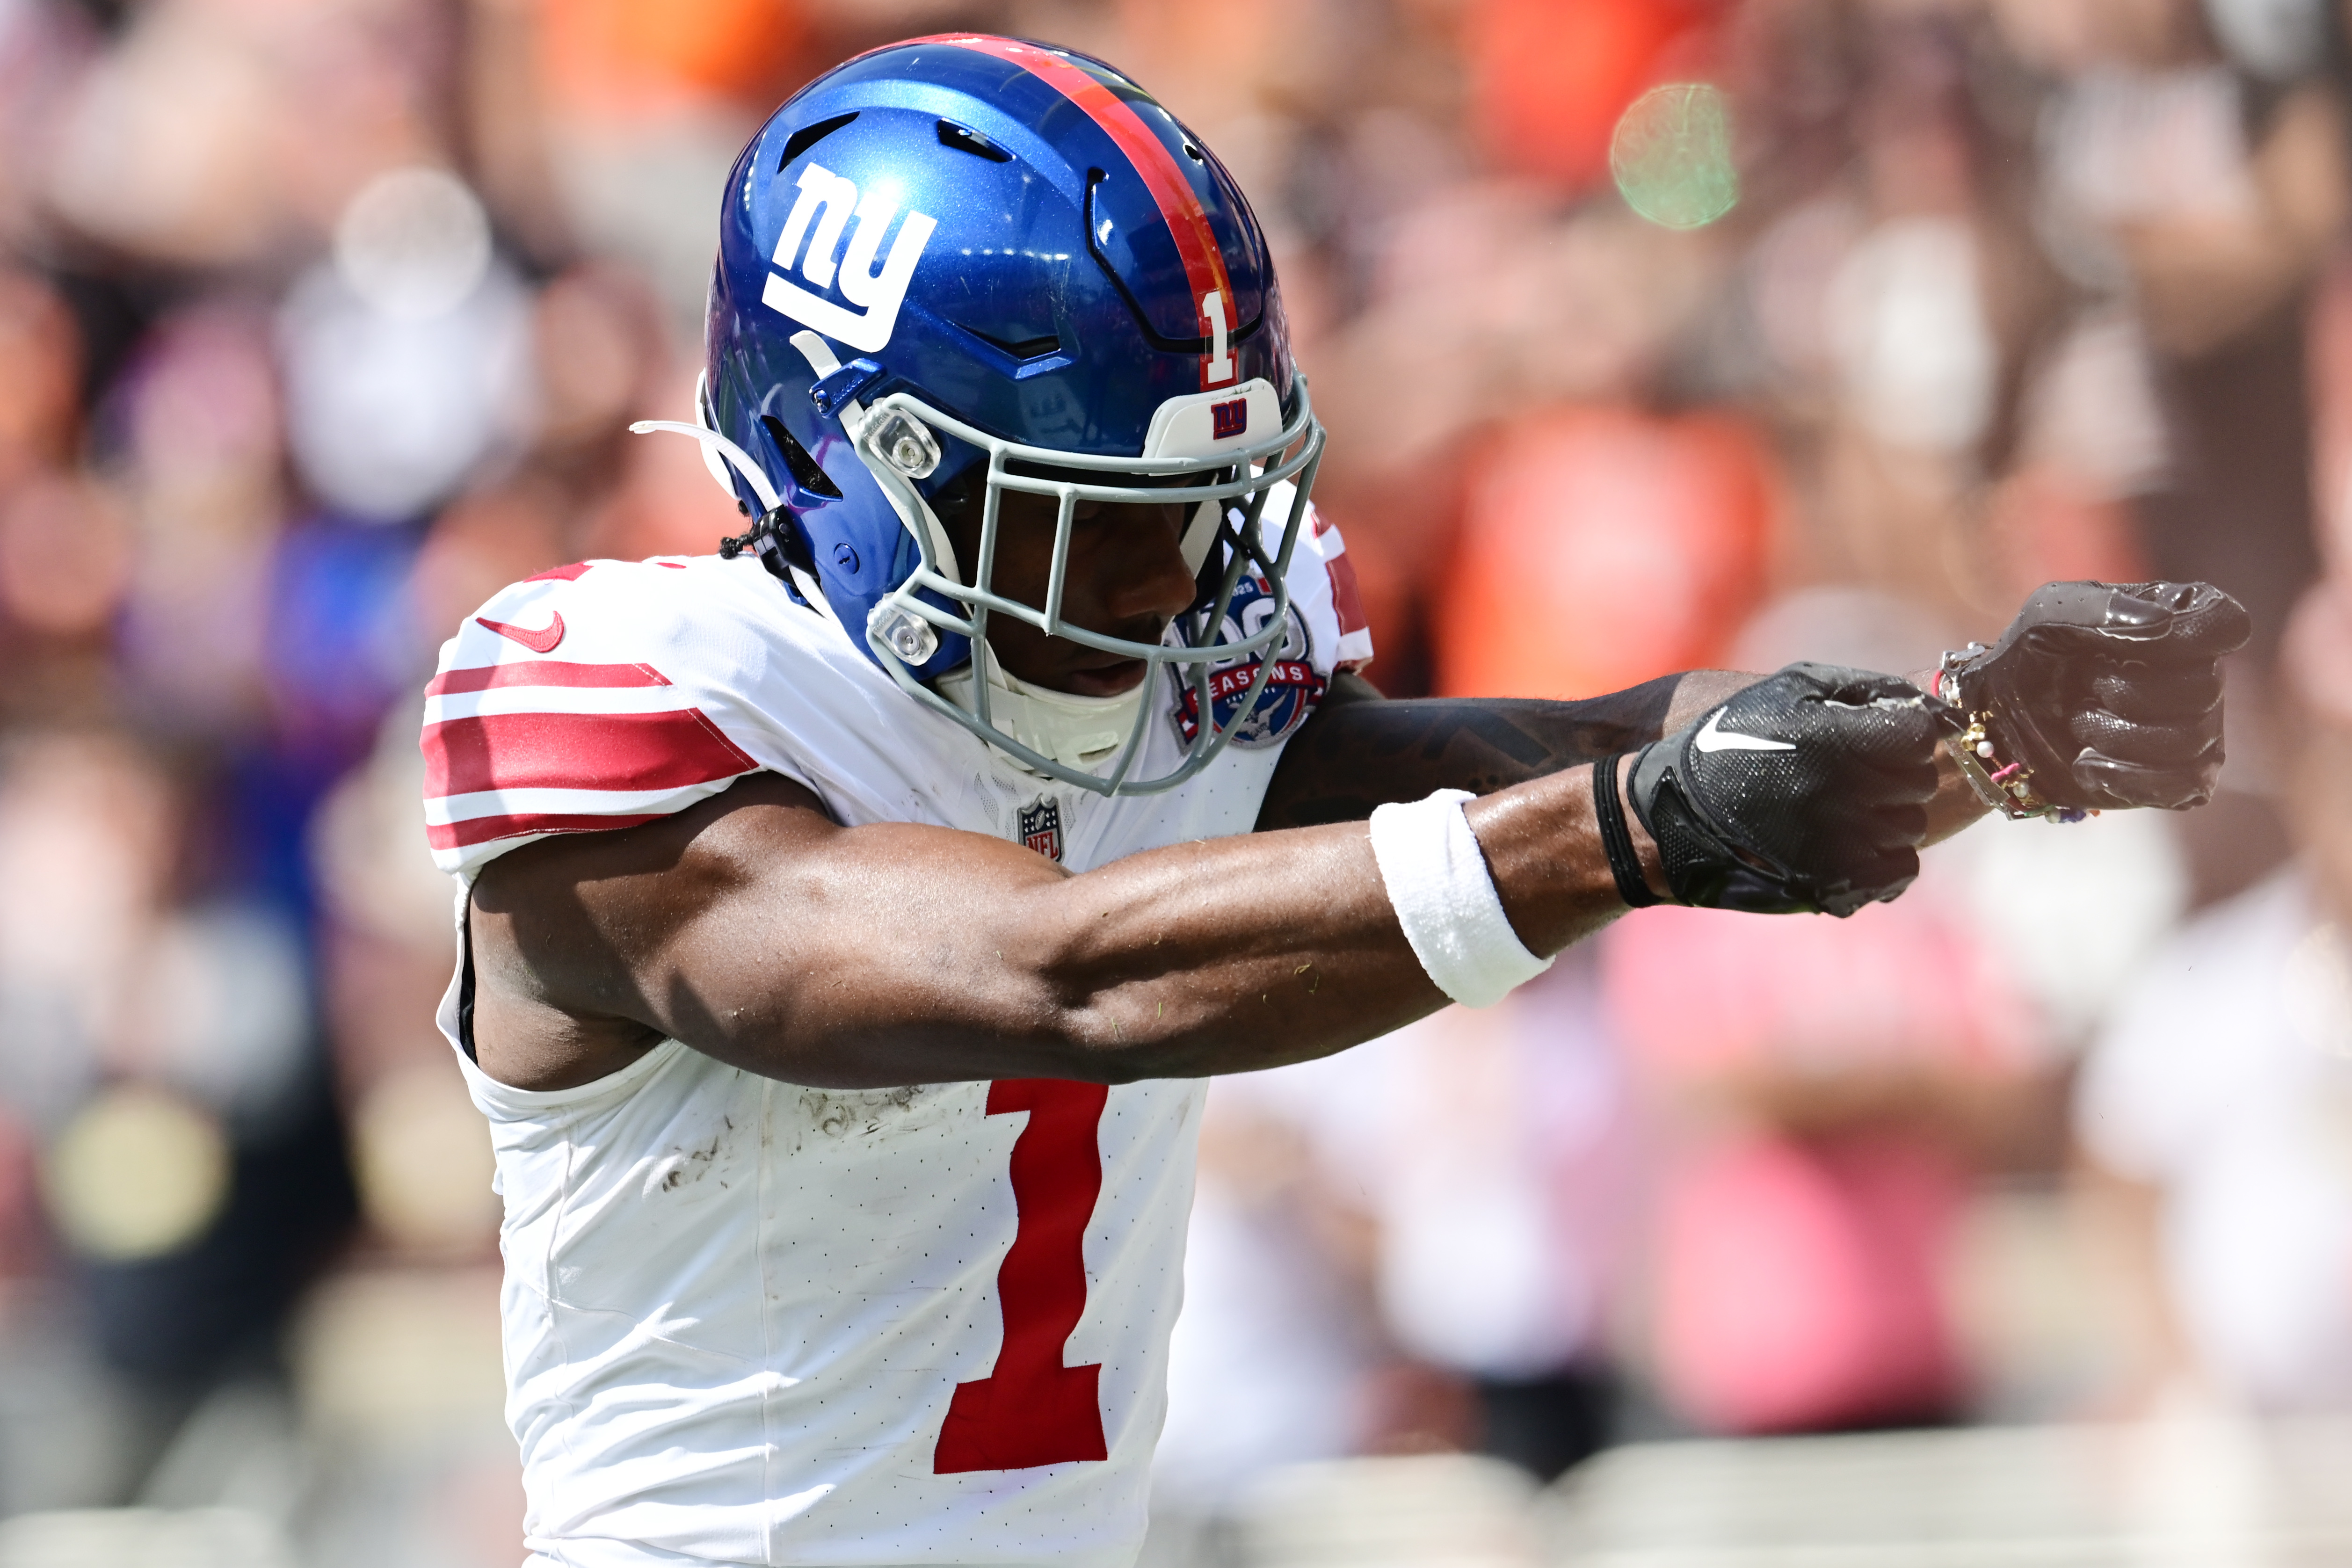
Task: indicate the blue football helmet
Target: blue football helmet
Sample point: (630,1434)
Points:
(973,250)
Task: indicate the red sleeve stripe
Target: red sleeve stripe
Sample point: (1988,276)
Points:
(542,672)
(481,829)
(441,808)
(1347,598)
(621,752)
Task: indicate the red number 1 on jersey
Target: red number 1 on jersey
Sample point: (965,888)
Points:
(1031,1409)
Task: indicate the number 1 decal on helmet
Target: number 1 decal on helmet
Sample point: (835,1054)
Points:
(1218,368)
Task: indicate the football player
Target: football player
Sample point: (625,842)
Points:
(851,918)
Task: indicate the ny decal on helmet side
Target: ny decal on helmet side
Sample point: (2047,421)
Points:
(878,293)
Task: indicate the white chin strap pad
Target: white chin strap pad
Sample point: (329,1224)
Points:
(1077,731)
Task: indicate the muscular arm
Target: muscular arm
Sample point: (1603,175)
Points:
(754,929)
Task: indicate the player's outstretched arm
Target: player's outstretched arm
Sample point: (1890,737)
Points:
(753,928)
(1361,751)
(2101,695)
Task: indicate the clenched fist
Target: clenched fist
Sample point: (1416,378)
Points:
(2110,694)
(1806,792)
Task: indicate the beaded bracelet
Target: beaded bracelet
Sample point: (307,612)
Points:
(2007,788)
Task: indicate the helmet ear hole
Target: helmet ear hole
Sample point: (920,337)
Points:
(806,474)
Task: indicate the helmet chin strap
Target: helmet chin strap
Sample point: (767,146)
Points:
(1076,731)
(718,455)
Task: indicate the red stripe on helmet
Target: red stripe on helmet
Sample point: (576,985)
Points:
(1180,206)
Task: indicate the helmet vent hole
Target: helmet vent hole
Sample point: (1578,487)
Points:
(808,136)
(809,477)
(1194,153)
(1025,348)
(964,140)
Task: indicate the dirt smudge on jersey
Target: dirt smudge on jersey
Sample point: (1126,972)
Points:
(839,1113)
(682,1165)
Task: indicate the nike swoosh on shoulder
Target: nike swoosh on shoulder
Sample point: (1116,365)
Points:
(1712,739)
(543,640)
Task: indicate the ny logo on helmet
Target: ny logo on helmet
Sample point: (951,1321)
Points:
(878,291)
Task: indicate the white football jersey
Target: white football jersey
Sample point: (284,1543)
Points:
(748,1322)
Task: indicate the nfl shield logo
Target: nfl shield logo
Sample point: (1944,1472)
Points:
(1040,827)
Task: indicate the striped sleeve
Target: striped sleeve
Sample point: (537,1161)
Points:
(1346,599)
(518,748)
(1323,587)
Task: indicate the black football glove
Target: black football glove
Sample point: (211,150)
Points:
(1805,793)
(2110,694)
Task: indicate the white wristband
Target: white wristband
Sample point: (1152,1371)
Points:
(1444,897)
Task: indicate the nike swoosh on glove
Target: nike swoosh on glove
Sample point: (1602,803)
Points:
(2110,693)
(1807,792)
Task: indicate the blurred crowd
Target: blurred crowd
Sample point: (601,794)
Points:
(320,319)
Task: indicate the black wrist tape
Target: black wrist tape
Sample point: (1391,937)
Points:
(1616,840)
